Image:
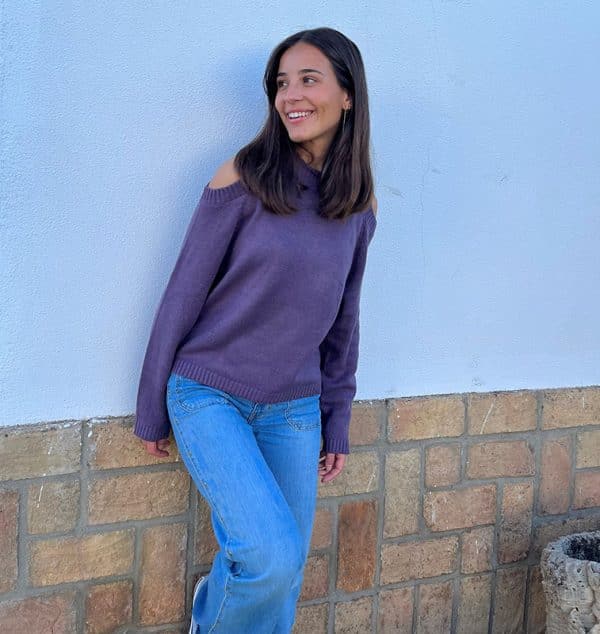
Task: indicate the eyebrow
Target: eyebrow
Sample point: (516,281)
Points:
(304,70)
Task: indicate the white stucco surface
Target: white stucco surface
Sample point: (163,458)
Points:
(485,269)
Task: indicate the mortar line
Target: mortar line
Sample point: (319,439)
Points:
(572,472)
(137,572)
(333,565)
(21,582)
(495,546)
(82,521)
(380,519)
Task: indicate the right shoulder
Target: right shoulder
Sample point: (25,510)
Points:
(226,175)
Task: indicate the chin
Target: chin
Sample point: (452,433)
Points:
(298,138)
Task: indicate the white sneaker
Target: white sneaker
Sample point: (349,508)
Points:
(193,624)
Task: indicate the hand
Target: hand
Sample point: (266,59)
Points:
(157,447)
(331,465)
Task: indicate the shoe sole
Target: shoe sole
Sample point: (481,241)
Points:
(196,589)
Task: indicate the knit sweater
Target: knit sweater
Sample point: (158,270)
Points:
(263,306)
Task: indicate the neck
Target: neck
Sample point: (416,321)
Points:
(308,151)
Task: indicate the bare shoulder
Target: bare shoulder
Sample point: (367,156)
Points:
(225,175)
(374,205)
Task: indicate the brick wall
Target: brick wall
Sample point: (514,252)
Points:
(436,524)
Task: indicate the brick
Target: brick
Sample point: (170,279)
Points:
(460,508)
(9,521)
(509,602)
(395,615)
(360,475)
(442,465)
(588,449)
(205,545)
(107,607)
(366,422)
(474,604)
(52,506)
(515,523)
(587,489)
(354,617)
(322,527)
(536,608)
(138,496)
(311,618)
(402,493)
(53,561)
(316,578)
(54,614)
(571,408)
(418,560)
(435,608)
(500,459)
(162,582)
(32,452)
(501,412)
(425,417)
(113,445)
(546,533)
(357,537)
(477,548)
(555,475)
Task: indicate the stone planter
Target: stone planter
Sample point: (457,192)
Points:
(571,579)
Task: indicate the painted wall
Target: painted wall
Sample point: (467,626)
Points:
(485,269)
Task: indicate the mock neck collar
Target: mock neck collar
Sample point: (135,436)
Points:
(309,175)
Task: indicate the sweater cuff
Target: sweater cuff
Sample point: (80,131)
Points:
(150,431)
(336,444)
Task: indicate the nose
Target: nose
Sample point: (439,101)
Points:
(294,91)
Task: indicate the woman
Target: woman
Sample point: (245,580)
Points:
(254,347)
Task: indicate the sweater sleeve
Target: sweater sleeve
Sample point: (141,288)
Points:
(208,236)
(339,353)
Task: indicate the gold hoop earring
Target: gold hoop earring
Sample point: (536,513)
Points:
(344,120)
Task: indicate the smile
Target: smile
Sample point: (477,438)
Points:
(299,115)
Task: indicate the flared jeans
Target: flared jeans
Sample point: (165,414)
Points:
(256,466)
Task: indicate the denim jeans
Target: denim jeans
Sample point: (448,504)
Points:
(256,466)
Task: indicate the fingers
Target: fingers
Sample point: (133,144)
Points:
(331,465)
(157,447)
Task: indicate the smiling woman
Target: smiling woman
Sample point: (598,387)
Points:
(309,100)
(318,110)
(254,348)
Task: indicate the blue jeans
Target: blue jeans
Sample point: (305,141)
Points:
(256,466)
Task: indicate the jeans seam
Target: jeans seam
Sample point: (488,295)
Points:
(220,611)
(226,546)
(295,426)
(178,391)
(205,487)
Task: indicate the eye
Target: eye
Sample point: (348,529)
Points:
(309,79)
(280,83)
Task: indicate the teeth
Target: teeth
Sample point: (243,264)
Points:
(297,115)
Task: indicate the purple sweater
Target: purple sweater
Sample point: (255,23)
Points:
(262,306)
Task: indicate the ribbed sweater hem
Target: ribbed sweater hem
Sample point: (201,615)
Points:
(202,375)
(336,445)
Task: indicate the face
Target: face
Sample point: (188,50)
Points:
(308,90)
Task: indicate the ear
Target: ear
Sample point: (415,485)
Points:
(347,101)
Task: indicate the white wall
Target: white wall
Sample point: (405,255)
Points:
(483,274)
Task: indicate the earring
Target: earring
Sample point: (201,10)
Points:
(344,120)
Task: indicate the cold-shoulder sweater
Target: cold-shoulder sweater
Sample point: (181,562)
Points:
(262,306)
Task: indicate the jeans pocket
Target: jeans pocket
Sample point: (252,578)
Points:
(304,413)
(191,396)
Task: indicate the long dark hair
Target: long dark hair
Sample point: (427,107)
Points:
(266,164)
